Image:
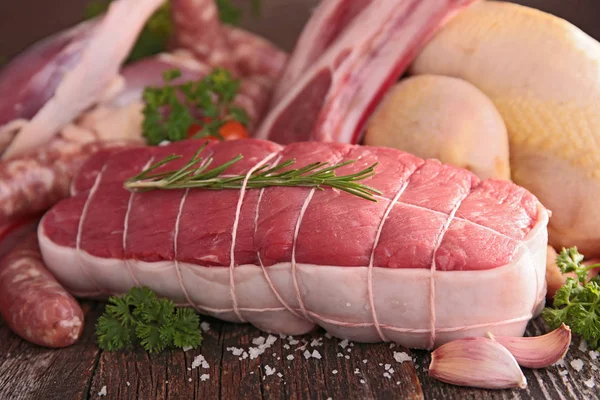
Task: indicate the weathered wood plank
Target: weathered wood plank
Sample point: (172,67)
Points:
(29,372)
(547,383)
(81,371)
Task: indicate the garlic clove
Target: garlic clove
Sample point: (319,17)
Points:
(476,362)
(539,351)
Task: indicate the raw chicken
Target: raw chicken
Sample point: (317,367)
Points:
(543,75)
(434,116)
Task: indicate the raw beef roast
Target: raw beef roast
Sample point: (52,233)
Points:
(440,255)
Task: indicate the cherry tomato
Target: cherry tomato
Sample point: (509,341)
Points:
(231,130)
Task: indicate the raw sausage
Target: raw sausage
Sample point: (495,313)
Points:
(34,305)
(33,182)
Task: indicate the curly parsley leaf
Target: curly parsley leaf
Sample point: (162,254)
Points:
(171,110)
(140,317)
(577,302)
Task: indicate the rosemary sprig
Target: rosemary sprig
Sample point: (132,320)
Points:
(196,174)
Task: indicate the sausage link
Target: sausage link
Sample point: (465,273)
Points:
(32,302)
(35,181)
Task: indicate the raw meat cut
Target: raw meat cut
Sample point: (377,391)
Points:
(332,99)
(440,255)
(329,19)
(92,76)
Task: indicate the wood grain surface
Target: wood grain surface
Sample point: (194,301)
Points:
(356,371)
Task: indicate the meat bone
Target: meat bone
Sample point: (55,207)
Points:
(332,99)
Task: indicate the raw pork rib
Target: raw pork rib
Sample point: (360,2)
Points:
(440,255)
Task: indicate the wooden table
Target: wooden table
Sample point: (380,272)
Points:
(356,371)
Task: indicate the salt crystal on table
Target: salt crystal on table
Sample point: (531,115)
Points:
(387,375)
(204,377)
(365,361)
(335,371)
(340,355)
(205,326)
(306,354)
(127,383)
(102,391)
(258,341)
(362,381)
(583,346)
(388,366)
(316,342)
(279,374)
(590,383)
(269,371)
(328,335)
(577,364)
(316,355)
(343,343)
(286,346)
(401,356)
(270,340)
(186,348)
(594,354)
(290,357)
(347,357)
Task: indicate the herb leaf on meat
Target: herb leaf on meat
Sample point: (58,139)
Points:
(196,174)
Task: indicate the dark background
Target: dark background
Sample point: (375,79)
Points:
(22,22)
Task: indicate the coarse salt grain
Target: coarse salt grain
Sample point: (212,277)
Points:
(269,371)
(356,371)
(258,341)
(316,342)
(290,357)
(189,379)
(343,343)
(293,341)
(186,348)
(362,381)
(347,357)
(335,371)
(279,374)
(590,383)
(340,355)
(583,346)
(328,335)
(316,355)
(401,356)
(387,366)
(594,354)
(204,377)
(270,340)
(577,364)
(286,346)
(306,354)
(205,326)
(387,375)
(199,360)
(391,370)
(365,361)
(102,391)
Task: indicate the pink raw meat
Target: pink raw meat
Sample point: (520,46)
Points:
(331,100)
(440,255)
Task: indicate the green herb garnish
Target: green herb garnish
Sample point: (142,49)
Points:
(171,110)
(141,317)
(196,174)
(577,302)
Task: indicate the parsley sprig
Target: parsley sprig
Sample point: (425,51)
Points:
(577,302)
(139,316)
(171,110)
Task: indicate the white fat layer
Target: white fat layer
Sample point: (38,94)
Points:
(467,303)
